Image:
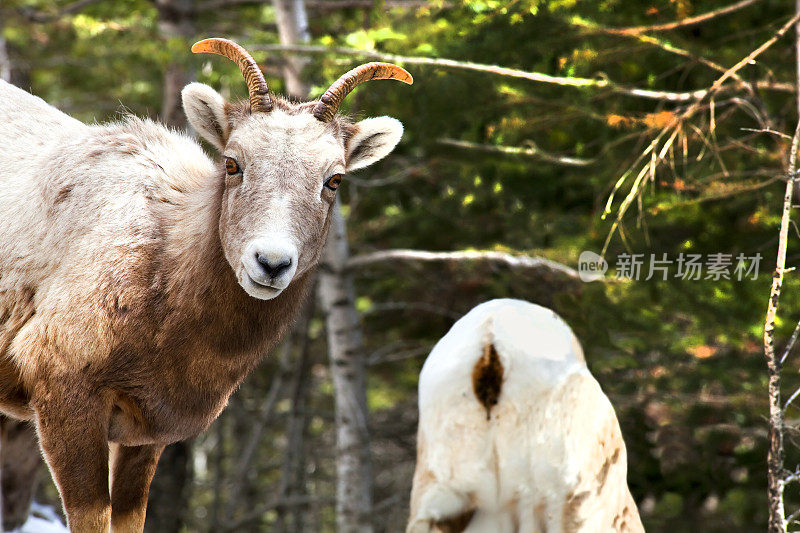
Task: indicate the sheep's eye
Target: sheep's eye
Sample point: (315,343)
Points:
(231,166)
(333,182)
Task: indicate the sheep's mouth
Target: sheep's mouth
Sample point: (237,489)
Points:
(264,285)
(259,290)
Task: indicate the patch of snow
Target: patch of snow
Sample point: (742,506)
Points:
(43,519)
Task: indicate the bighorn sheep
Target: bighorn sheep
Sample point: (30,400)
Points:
(140,281)
(515,433)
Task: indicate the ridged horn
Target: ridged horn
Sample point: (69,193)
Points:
(256,84)
(330,101)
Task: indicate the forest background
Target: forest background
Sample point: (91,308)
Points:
(535,130)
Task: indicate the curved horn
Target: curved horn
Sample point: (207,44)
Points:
(256,84)
(330,101)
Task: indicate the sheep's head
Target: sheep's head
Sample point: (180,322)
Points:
(283,164)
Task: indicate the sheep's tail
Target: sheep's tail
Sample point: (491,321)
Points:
(487,374)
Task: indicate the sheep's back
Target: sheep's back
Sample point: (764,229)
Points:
(548,455)
(84,217)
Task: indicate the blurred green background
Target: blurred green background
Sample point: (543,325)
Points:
(682,360)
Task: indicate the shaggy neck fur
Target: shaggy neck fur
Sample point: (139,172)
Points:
(195,271)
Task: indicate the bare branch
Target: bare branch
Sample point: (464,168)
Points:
(599,83)
(265,412)
(690,21)
(290,501)
(533,151)
(750,58)
(400,355)
(647,39)
(770,131)
(657,150)
(513,261)
(333,5)
(766,85)
(734,191)
(792,517)
(214,5)
(70,9)
(791,477)
(791,398)
(792,341)
(394,177)
(318,5)
(412,306)
(400,350)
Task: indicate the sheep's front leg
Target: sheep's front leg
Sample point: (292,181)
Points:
(133,468)
(437,507)
(72,427)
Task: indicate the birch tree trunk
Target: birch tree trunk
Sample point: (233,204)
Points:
(335,290)
(5,63)
(292,21)
(353,463)
(11,71)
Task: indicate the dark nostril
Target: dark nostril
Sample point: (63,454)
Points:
(273,268)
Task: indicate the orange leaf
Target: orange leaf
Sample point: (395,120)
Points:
(703,351)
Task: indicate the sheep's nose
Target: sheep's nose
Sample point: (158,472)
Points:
(272,266)
(271,260)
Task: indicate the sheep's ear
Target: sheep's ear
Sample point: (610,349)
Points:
(374,139)
(205,109)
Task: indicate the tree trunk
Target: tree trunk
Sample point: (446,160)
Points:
(175,21)
(335,290)
(5,62)
(13,72)
(21,463)
(293,470)
(776,473)
(170,490)
(292,21)
(353,464)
